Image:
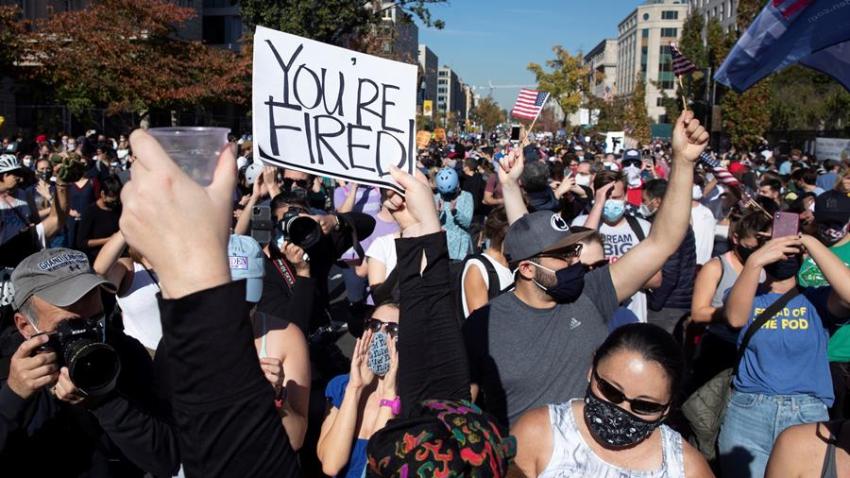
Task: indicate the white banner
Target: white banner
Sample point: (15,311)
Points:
(332,112)
(836,149)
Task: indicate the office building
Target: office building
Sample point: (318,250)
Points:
(428,66)
(451,99)
(643,51)
(601,63)
(725,11)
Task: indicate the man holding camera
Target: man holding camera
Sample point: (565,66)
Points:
(72,387)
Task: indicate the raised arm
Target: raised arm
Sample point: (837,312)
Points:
(348,204)
(108,263)
(510,170)
(835,272)
(739,304)
(243,225)
(637,266)
(594,218)
(58,211)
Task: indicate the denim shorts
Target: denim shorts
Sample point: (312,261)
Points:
(752,424)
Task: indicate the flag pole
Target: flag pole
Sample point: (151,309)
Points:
(682,87)
(528,131)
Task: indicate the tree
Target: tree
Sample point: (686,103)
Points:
(611,113)
(126,55)
(637,120)
(488,114)
(338,22)
(804,99)
(12,30)
(567,80)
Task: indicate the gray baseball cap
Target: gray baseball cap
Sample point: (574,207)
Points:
(538,233)
(59,276)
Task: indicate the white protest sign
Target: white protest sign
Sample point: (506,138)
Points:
(615,141)
(330,111)
(836,149)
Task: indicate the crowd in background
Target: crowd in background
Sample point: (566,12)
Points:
(538,306)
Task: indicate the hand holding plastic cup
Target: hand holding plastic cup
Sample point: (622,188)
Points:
(194,148)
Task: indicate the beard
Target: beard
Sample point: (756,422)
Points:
(545,278)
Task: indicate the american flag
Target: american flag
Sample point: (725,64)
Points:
(722,174)
(529,103)
(681,65)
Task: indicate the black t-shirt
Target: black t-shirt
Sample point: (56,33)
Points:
(475,185)
(96,223)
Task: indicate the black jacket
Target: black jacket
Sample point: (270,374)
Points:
(123,434)
(277,294)
(222,402)
(677,281)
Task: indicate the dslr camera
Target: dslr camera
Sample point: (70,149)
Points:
(92,364)
(302,231)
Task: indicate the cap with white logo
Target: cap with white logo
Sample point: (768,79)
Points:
(541,232)
(59,276)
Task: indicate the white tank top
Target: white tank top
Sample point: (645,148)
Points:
(572,457)
(506,277)
(139,308)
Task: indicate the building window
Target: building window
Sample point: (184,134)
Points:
(659,101)
(669,32)
(645,16)
(669,15)
(644,33)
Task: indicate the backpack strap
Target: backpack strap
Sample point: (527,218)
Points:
(634,224)
(493,282)
(762,319)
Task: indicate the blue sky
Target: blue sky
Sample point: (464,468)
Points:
(494,40)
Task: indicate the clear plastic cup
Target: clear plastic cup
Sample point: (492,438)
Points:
(194,148)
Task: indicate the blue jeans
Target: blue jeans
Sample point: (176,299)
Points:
(752,423)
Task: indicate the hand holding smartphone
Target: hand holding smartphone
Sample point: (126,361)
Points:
(786,224)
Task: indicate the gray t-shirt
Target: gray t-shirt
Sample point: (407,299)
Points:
(522,357)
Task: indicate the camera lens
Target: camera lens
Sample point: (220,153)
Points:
(92,366)
(303,231)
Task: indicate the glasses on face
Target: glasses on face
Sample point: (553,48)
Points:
(613,395)
(566,254)
(375,325)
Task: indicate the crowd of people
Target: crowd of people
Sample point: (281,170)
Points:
(538,307)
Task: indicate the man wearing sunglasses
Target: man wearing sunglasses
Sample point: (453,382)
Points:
(533,346)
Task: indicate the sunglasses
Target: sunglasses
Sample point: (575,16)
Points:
(375,325)
(613,395)
(566,254)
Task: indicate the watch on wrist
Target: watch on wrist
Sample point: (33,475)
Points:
(394,405)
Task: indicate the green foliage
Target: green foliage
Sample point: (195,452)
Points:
(804,99)
(746,116)
(487,113)
(567,80)
(337,22)
(636,121)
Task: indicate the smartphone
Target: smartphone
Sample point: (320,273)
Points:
(786,224)
(261,224)
(515,132)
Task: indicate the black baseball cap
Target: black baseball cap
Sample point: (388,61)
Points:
(539,233)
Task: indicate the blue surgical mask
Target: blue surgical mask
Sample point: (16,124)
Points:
(613,210)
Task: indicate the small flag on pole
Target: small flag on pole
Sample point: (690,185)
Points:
(681,64)
(529,103)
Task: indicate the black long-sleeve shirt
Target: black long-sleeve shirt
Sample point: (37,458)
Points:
(222,403)
(282,301)
(123,434)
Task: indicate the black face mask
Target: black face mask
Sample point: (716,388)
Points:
(830,235)
(45,175)
(614,427)
(569,285)
(785,268)
(744,252)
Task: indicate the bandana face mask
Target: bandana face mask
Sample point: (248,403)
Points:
(614,427)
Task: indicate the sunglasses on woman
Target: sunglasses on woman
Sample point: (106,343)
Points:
(610,393)
(375,325)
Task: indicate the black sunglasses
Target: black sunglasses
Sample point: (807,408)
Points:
(375,325)
(573,251)
(610,393)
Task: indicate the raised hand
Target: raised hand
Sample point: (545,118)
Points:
(388,383)
(177,225)
(511,166)
(360,375)
(418,217)
(776,250)
(689,138)
(273,371)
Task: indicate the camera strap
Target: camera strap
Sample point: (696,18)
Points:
(285,271)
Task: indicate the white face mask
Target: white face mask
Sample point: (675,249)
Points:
(583,180)
(27,162)
(696,194)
